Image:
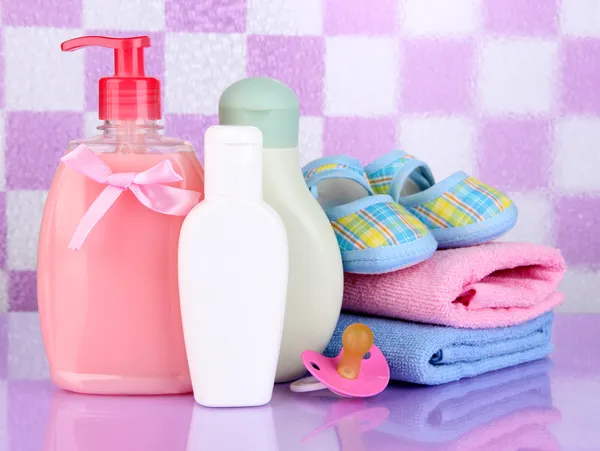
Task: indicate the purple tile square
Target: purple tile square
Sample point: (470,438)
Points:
(577,223)
(3,346)
(29,406)
(190,127)
(364,17)
(219,16)
(42,13)
(521,17)
(3,228)
(514,154)
(438,76)
(581,76)
(565,361)
(35,142)
(99,62)
(296,61)
(22,291)
(362,138)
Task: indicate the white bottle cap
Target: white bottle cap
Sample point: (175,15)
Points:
(233,162)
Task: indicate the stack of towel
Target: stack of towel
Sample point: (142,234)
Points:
(461,313)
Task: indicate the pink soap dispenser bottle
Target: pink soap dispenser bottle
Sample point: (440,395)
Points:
(107,258)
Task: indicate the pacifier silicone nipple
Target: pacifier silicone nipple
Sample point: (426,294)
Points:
(357,340)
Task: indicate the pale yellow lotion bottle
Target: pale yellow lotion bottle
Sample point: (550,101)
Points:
(315,284)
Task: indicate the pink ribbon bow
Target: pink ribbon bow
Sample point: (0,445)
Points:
(146,186)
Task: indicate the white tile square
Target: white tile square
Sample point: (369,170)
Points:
(445,143)
(535,221)
(517,76)
(124,15)
(2,151)
(198,69)
(580,18)
(439,18)
(310,139)
(27,359)
(24,216)
(3,292)
(361,76)
(38,76)
(285,17)
(577,155)
(581,287)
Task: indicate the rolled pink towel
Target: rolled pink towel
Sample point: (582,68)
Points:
(492,285)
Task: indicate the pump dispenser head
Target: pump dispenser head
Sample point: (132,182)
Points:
(128,95)
(233,162)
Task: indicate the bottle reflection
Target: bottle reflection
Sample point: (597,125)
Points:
(101,423)
(232,429)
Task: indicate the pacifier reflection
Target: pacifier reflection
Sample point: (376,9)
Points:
(350,418)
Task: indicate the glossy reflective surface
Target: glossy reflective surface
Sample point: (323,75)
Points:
(544,405)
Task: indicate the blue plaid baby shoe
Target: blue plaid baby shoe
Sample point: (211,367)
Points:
(460,210)
(375,234)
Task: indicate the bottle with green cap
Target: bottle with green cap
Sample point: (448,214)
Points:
(315,284)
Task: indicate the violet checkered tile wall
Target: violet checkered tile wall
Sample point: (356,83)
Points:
(508,90)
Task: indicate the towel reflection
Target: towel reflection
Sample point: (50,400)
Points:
(504,410)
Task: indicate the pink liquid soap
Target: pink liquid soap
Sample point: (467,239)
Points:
(110,311)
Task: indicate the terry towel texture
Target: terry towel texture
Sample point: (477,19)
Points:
(492,285)
(431,355)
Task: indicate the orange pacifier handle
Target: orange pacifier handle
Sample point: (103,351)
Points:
(357,340)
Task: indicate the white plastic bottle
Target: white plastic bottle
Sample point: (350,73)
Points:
(316,279)
(233,269)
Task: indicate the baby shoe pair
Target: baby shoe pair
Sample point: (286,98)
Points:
(391,214)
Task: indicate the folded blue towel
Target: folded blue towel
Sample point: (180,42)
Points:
(431,355)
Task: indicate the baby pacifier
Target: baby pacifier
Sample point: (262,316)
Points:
(350,373)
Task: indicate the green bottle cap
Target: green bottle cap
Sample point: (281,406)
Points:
(265,103)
